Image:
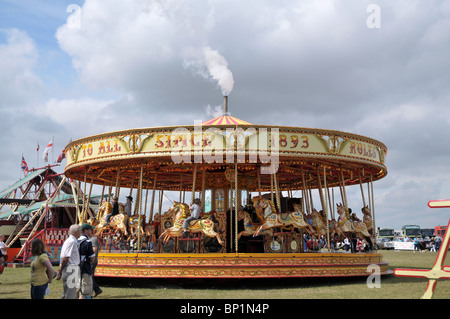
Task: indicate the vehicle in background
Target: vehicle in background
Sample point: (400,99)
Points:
(385,233)
(411,231)
(427,232)
(385,243)
(440,230)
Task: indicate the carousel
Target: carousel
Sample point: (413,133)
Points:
(273,200)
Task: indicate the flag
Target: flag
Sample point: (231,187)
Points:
(47,150)
(37,149)
(61,156)
(24,166)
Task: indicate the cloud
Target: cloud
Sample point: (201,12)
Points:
(295,63)
(88,113)
(18,80)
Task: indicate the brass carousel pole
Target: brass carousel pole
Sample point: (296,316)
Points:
(85,217)
(117,190)
(362,190)
(271,187)
(131,190)
(344,194)
(323,200)
(236,207)
(277,193)
(139,194)
(373,208)
(103,193)
(153,196)
(330,202)
(326,206)
(83,211)
(194,181)
(75,197)
(146,198)
(203,188)
(305,194)
(258,172)
(110,191)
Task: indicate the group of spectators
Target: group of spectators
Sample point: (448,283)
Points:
(78,260)
(312,244)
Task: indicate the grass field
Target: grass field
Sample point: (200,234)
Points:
(15,285)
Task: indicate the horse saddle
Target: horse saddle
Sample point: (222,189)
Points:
(190,223)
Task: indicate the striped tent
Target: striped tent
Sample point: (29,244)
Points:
(226,120)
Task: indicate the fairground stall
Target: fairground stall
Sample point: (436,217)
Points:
(42,204)
(268,197)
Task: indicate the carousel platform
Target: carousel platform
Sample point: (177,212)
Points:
(241,265)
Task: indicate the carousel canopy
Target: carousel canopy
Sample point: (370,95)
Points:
(226,120)
(168,156)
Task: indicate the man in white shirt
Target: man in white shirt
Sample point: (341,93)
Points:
(69,267)
(195,214)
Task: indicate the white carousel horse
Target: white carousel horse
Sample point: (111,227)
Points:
(250,228)
(367,219)
(320,225)
(266,208)
(345,225)
(117,223)
(181,211)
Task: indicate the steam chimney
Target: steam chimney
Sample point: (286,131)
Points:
(225,105)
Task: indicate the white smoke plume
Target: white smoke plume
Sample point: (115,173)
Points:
(211,65)
(218,70)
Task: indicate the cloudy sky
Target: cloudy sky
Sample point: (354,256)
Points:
(72,68)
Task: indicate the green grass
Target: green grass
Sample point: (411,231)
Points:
(15,285)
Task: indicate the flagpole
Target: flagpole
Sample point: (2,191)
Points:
(37,155)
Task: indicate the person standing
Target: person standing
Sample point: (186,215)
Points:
(127,208)
(438,241)
(416,244)
(433,245)
(96,247)
(87,256)
(69,267)
(42,272)
(3,253)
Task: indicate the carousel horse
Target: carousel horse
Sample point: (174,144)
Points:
(318,223)
(266,208)
(346,226)
(151,228)
(133,225)
(367,219)
(250,227)
(309,228)
(182,212)
(117,223)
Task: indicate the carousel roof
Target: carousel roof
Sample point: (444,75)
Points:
(226,120)
(116,157)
